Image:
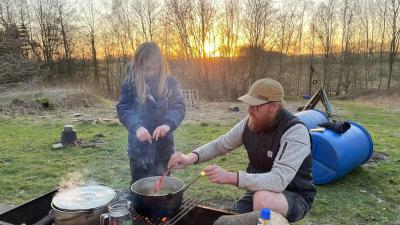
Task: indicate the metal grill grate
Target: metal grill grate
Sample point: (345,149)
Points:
(188,204)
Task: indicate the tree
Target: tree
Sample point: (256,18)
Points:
(382,23)
(229,29)
(90,19)
(347,13)
(325,28)
(49,32)
(147,13)
(300,28)
(65,16)
(394,18)
(288,15)
(258,17)
(7,14)
(180,12)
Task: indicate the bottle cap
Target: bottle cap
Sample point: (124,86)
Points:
(265,214)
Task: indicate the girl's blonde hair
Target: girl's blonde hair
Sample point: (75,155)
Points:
(136,77)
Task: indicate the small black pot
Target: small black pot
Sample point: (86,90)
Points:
(164,203)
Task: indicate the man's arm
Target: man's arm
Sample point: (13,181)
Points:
(222,145)
(295,147)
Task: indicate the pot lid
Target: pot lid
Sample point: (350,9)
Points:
(84,197)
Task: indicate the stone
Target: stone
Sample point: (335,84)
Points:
(234,109)
(57,146)
(68,127)
(77,114)
(100,135)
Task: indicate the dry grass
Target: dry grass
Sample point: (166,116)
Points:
(29,99)
(389,100)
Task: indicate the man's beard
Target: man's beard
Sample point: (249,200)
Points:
(260,124)
(255,125)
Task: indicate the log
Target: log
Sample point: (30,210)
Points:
(250,218)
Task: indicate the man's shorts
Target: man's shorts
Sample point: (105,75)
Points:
(298,205)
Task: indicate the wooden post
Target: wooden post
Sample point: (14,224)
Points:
(191,98)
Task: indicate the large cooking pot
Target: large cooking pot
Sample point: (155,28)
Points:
(163,203)
(82,205)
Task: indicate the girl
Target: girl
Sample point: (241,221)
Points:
(151,107)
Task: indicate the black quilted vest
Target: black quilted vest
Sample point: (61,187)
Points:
(262,149)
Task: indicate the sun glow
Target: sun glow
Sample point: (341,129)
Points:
(211,50)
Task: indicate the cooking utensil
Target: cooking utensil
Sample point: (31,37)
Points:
(82,205)
(159,183)
(193,181)
(163,203)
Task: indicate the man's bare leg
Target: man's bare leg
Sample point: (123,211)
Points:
(275,201)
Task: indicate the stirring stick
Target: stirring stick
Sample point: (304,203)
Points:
(160,181)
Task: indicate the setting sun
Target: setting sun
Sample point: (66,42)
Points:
(211,50)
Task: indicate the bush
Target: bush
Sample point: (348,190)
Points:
(45,103)
(17,102)
(204,124)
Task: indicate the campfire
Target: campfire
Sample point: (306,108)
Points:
(187,205)
(38,212)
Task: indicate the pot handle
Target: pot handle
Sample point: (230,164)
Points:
(184,189)
(103,218)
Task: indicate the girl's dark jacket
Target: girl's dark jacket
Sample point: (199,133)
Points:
(155,111)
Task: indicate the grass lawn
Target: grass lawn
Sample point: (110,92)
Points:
(29,167)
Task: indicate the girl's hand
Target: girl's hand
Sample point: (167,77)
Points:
(160,132)
(143,134)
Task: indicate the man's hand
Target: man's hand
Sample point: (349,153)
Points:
(218,175)
(160,132)
(143,134)
(179,160)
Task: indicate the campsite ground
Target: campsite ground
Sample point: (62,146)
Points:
(29,167)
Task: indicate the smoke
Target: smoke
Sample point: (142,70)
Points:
(68,195)
(73,180)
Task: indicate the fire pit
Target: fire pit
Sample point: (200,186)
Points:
(36,212)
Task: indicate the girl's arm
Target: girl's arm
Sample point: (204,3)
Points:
(176,106)
(126,108)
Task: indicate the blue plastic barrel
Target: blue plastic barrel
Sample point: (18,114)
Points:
(312,118)
(335,155)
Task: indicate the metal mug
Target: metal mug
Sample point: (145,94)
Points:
(118,213)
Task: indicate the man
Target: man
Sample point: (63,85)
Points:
(279,150)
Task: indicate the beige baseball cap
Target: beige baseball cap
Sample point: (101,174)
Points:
(263,91)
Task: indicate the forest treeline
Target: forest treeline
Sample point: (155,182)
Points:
(218,47)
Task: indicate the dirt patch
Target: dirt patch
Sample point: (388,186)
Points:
(377,157)
(56,102)
(89,143)
(217,112)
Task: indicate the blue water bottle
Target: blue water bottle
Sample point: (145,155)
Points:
(265,217)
